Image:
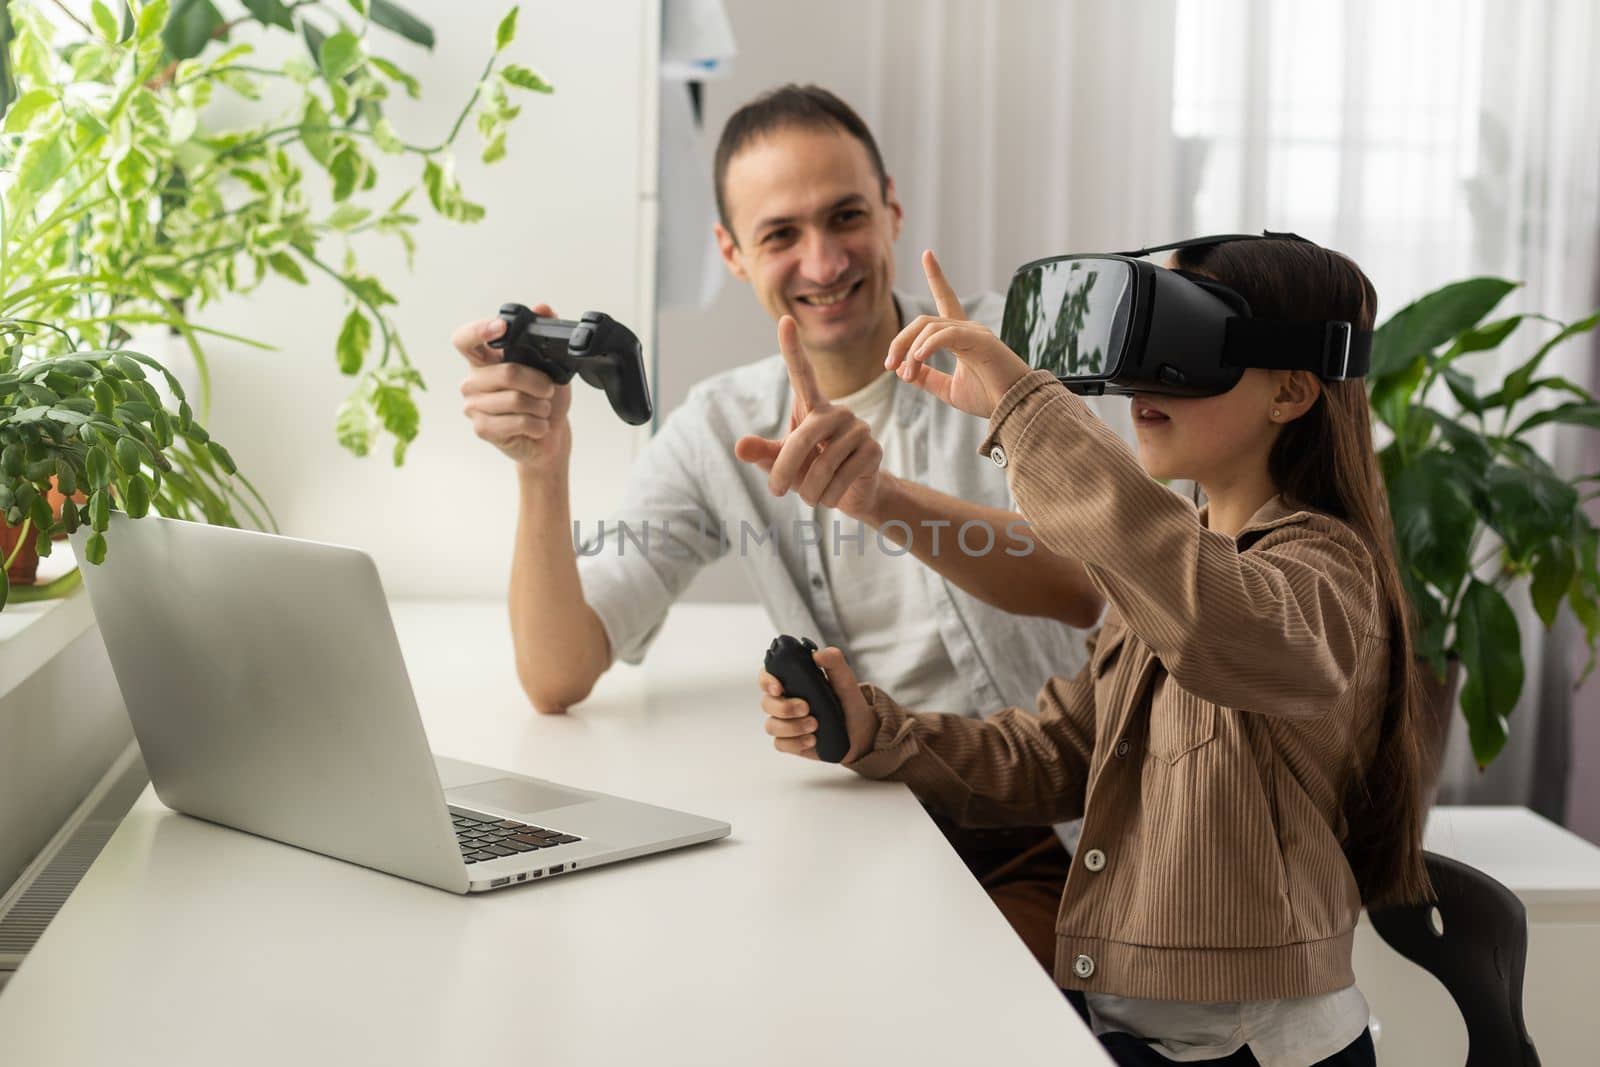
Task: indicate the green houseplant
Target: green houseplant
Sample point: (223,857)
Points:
(1467,490)
(92,425)
(123,208)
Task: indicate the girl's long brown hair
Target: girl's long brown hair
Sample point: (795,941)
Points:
(1325,460)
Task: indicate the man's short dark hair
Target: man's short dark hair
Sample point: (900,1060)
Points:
(787,107)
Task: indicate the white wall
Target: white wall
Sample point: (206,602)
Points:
(570,220)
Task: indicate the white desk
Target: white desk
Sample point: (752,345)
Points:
(835,926)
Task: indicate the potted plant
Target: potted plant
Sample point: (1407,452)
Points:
(126,206)
(92,426)
(123,207)
(1475,508)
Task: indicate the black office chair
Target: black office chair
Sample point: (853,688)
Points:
(1476,952)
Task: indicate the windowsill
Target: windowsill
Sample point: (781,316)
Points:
(32,634)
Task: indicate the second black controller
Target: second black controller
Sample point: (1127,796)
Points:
(597,348)
(789,661)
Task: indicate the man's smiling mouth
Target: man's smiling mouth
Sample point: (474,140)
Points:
(831,296)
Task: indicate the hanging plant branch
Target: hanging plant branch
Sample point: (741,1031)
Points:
(122,208)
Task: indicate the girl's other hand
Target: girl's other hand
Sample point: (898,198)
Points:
(791,725)
(985,367)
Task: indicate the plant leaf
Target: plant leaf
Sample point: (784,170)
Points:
(28,107)
(1576,414)
(347,216)
(393,17)
(433,179)
(222,457)
(355,340)
(1491,654)
(1582,593)
(523,78)
(341,54)
(8,92)
(346,167)
(190,28)
(1519,382)
(412,87)
(1561,385)
(506,32)
(370,289)
(353,426)
(385,137)
(398,412)
(1433,627)
(43,161)
(270,13)
(1527,508)
(1482,338)
(1464,441)
(152,17)
(314,40)
(104,21)
(285,264)
(1434,518)
(1391,397)
(1462,389)
(1553,569)
(314,132)
(1431,320)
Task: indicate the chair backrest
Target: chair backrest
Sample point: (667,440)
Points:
(1474,940)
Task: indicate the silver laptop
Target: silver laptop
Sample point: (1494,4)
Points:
(267,692)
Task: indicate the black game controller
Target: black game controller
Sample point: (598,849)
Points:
(597,348)
(789,661)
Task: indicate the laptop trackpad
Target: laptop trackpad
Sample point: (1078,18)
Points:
(515,794)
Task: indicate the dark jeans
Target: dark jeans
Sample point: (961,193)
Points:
(1130,1051)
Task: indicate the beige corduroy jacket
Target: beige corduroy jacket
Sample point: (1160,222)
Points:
(1235,686)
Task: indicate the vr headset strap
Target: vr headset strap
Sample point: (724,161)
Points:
(1215,239)
(1330,350)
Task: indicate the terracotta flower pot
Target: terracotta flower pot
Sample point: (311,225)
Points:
(25,568)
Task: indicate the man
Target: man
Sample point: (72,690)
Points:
(859,506)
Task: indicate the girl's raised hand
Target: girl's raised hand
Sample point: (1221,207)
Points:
(985,367)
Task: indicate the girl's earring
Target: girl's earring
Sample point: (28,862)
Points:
(1274,412)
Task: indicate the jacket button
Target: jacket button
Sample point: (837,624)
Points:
(1122,748)
(816,581)
(998,454)
(1094,859)
(1083,966)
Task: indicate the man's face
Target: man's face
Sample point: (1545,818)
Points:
(814,234)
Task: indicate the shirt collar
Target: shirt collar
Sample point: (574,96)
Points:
(1269,516)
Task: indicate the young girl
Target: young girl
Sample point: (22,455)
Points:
(1242,744)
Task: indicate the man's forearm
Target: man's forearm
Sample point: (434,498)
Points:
(985,551)
(561,646)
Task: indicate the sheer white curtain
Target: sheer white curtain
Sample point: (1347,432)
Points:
(1430,139)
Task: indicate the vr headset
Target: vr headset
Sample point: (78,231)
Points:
(1118,324)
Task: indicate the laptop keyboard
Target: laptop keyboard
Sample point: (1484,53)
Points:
(485,837)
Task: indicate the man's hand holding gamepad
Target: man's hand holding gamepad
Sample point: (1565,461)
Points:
(789,721)
(829,456)
(517,409)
